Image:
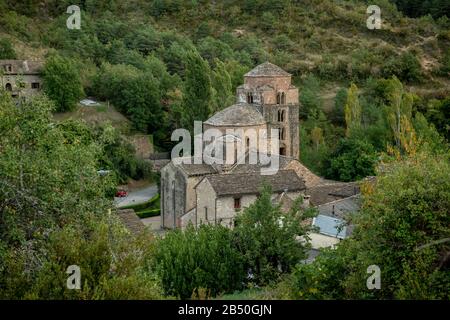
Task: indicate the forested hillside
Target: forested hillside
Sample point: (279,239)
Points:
(373,102)
(147,58)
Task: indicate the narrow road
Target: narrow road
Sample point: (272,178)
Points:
(137,196)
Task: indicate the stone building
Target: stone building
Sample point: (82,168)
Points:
(216,193)
(212,193)
(20,76)
(267,100)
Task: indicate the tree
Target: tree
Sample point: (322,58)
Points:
(352,109)
(399,113)
(194,259)
(62,82)
(402,227)
(267,237)
(197,92)
(221,82)
(316,137)
(310,97)
(406,67)
(353,159)
(337,114)
(54,213)
(141,102)
(6,50)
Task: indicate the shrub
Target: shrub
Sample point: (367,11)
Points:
(199,258)
(267,238)
(406,67)
(62,83)
(352,160)
(6,49)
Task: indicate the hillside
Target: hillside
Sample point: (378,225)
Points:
(124,49)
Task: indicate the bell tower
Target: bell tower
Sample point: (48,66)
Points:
(269,88)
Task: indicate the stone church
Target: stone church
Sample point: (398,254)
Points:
(213,193)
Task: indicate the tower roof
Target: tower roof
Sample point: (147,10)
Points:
(241,114)
(267,69)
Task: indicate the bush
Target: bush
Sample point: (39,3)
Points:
(352,160)
(62,83)
(6,49)
(267,238)
(406,67)
(199,259)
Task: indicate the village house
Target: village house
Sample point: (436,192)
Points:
(20,77)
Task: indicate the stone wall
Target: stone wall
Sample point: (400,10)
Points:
(27,79)
(173,196)
(220,209)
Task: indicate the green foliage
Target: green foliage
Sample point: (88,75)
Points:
(337,114)
(438,112)
(62,82)
(399,110)
(109,267)
(197,92)
(221,82)
(446,62)
(417,8)
(119,156)
(352,109)
(54,213)
(310,97)
(352,160)
(147,209)
(202,258)
(403,215)
(406,67)
(428,136)
(7,50)
(267,237)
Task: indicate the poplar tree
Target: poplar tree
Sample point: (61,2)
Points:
(197,94)
(352,109)
(399,114)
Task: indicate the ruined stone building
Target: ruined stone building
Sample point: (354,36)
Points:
(20,76)
(216,193)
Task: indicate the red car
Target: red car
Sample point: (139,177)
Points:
(121,193)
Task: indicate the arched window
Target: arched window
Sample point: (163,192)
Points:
(247,143)
(281,133)
(8,87)
(249,97)
(278,98)
(281,114)
(283,98)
